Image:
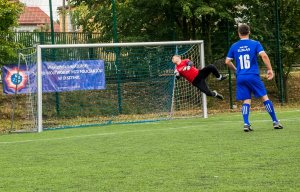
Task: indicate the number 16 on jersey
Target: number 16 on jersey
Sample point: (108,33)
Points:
(244,61)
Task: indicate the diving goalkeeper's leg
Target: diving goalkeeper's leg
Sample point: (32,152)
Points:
(201,84)
(207,70)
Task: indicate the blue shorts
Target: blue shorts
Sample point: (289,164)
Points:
(248,84)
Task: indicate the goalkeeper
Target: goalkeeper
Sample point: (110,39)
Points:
(197,77)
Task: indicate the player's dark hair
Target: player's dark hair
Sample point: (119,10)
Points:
(244,29)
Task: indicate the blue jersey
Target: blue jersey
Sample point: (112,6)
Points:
(244,52)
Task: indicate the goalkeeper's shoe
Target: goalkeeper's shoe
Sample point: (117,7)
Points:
(277,125)
(247,128)
(222,77)
(217,95)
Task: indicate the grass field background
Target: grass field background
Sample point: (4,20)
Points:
(197,154)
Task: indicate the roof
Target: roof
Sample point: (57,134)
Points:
(35,16)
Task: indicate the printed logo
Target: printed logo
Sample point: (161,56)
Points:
(16,79)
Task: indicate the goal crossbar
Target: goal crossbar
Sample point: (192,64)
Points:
(159,43)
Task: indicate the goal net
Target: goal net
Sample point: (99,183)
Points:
(21,80)
(136,83)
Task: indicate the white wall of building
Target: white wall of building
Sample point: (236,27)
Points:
(26,28)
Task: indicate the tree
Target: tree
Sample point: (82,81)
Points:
(159,20)
(9,14)
(213,21)
(290,41)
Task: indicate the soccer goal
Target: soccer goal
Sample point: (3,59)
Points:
(96,84)
(20,85)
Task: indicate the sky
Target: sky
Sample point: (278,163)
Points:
(44,5)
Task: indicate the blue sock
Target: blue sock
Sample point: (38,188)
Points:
(270,109)
(245,112)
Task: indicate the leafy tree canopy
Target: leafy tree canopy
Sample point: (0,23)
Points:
(9,14)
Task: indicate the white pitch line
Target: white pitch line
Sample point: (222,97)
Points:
(260,120)
(98,134)
(133,131)
(234,121)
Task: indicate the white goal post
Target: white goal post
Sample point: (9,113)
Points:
(40,48)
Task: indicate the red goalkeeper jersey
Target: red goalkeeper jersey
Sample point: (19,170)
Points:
(189,75)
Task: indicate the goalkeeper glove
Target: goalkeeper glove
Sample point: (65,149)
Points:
(188,67)
(190,63)
(177,75)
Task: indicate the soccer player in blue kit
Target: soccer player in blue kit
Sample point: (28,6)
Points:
(244,53)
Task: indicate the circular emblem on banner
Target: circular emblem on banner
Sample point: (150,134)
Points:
(16,79)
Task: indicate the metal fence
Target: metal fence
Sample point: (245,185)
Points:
(216,46)
(30,39)
(219,47)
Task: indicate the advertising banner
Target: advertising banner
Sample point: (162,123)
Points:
(57,77)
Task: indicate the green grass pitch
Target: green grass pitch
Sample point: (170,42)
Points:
(197,154)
